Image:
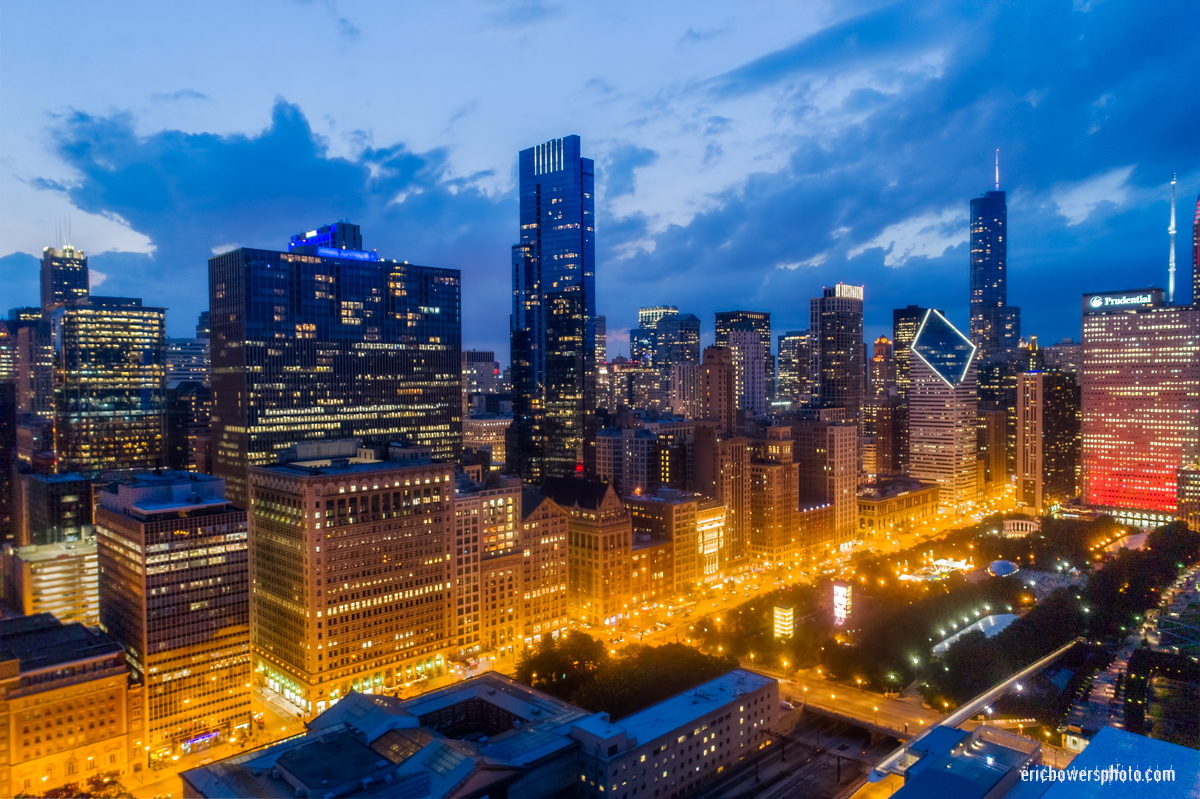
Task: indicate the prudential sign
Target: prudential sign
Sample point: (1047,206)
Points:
(1101,303)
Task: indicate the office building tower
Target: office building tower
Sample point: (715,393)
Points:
(1140,402)
(64,277)
(599,553)
(8,461)
(718,394)
(53,508)
(895,505)
(34,388)
(722,472)
(204,326)
(189,426)
(327,342)
(600,326)
(794,368)
(70,710)
(641,346)
(110,403)
(553,313)
(480,372)
(995,325)
(677,340)
(773,500)
(1047,439)
(943,423)
(542,597)
(905,322)
(8,355)
(667,517)
(881,382)
(760,322)
(175,593)
(1187,497)
(887,437)
(1065,356)
(839,355)
(351,563)
(749,370)
(627,458)
(992,443)
(488,432)
(188,359)
(826,456)
(684,390)
(60,579)
(648,318)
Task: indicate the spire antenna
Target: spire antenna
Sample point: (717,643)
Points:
(997,169)
(1171,263)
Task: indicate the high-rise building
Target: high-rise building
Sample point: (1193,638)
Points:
(1065,356)
(327,342)
(749,369)
(685,390)
(774,539)
(627,458)
(760,322)
(8,355)
(480,375)
(649,317)
(992,443)
(995,325)
(839,355)
(175,592)
(350,552)
(641,346)
(70,710)
(61,579)
(722,473)
(553,313)
(542,597)
(110,399)
(718,389)
(881,382)
(1047,439)
(677,340)
(668,516)
(794,368)
(943,423)
(188,359)
(53,508)
(826,456)
(599,549)
(34,388)
(905,323)
(8,461)
(189,426)
(64,277)
(1140,402)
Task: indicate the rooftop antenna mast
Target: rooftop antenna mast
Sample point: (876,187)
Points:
(1171,232)
(997,169)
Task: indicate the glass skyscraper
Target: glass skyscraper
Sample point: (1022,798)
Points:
(64,277)
(995,326)
(839,355)
(553,326)
(324,342)
(109,400)
(760,322)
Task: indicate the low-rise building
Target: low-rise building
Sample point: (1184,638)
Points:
(669,515)
(63,705)
(61,579)
(487,432)
(895,504)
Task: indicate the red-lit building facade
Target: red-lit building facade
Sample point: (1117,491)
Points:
(1140,402)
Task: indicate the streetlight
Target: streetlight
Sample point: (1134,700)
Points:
(876,717)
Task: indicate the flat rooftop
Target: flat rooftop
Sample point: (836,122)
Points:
(1114,747)
(680,710)
(41,641)
(336,466)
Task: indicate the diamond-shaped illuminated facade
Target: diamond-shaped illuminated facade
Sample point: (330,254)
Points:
(942,405)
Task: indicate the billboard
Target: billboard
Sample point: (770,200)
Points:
(842,601)
(1113,301)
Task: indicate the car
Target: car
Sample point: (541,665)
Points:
(786,705)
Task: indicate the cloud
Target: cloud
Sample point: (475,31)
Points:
(693,36)
(96,278)
(182,94)
(194,194)
(816,260)
(622,162)
(521,13)
(925,236)
(1076,201)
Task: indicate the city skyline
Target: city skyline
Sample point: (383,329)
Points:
(1082,189)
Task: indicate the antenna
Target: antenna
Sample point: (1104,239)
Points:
(1171,232)
(997,169)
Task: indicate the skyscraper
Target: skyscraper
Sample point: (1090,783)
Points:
(905,322)
(553,327)
(350,552)
(175,592)
(648,318)
(1140,402)
(995,326)
(1196,255)
(943,428)
(327,342)
(749,369)
(760,322)
(718,389)
(676,340)
(1047,439)
(64,277)
(110,400)
(839,355)
(794,367)
(826,456)
(881,382)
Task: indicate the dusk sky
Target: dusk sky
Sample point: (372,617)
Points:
(747,154)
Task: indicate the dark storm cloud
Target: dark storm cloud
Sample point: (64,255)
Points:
(618,175)
(193,195)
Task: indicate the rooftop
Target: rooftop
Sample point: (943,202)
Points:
(678,711)
(41,641)
(943,348)
(41,553)
(1114,747)
(892,487)
(568,491)
(990,626)
(970,767)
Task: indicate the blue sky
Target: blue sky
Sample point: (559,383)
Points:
(747,155)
